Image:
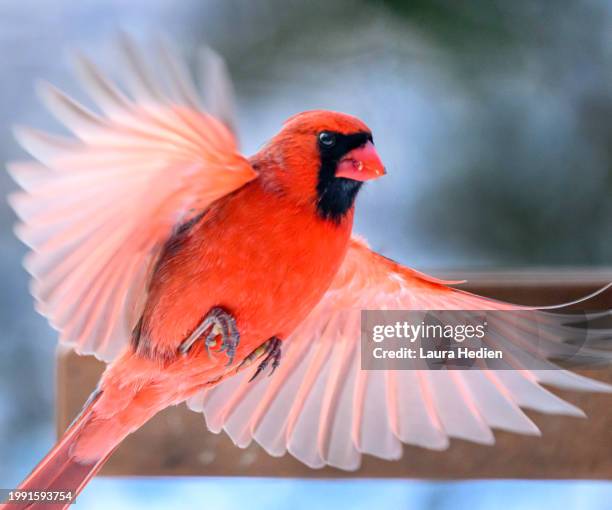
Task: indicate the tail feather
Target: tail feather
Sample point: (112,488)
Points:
(60,470)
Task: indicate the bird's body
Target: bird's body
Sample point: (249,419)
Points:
(255,253)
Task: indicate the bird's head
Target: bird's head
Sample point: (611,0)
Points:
(321,158)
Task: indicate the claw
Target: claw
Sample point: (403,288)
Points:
(217,323)
(272,350)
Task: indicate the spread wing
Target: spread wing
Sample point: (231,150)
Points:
(97,207)
(323,409)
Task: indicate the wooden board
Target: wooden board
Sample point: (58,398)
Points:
(176,442)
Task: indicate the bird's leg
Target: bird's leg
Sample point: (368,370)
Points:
(217,322)
(271,349)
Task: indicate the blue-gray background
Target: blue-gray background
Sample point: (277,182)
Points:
(493,117)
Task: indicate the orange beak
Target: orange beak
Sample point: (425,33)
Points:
(361,164)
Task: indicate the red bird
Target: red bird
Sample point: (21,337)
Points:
(158,247)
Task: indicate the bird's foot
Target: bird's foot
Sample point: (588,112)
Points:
(216,323)
(271,349)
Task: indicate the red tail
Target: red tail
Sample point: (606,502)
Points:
(59,471)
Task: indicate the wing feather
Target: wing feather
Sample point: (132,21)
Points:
(322,408)
(96,208)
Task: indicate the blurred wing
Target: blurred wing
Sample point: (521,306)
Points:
(322,408)
(217,87)
(96,208)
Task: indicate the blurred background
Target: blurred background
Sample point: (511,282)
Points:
(494,119)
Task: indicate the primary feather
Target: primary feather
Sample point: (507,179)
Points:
(322,408)
(97,209)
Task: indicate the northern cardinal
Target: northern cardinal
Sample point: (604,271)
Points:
(157,247)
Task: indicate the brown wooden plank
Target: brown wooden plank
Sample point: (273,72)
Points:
(176,442)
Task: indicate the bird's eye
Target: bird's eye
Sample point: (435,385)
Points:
(327,139)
